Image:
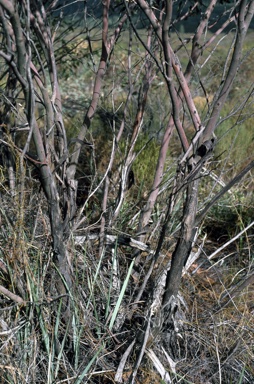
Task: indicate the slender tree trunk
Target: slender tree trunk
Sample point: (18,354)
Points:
(183,246)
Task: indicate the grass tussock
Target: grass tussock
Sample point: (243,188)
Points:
(40,344)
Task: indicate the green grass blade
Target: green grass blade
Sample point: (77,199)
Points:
(120,298)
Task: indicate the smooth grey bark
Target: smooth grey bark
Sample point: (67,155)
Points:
(24,69)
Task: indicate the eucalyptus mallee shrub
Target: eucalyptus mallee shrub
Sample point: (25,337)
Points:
(98,287)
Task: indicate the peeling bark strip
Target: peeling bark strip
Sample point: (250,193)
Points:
(113,240)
